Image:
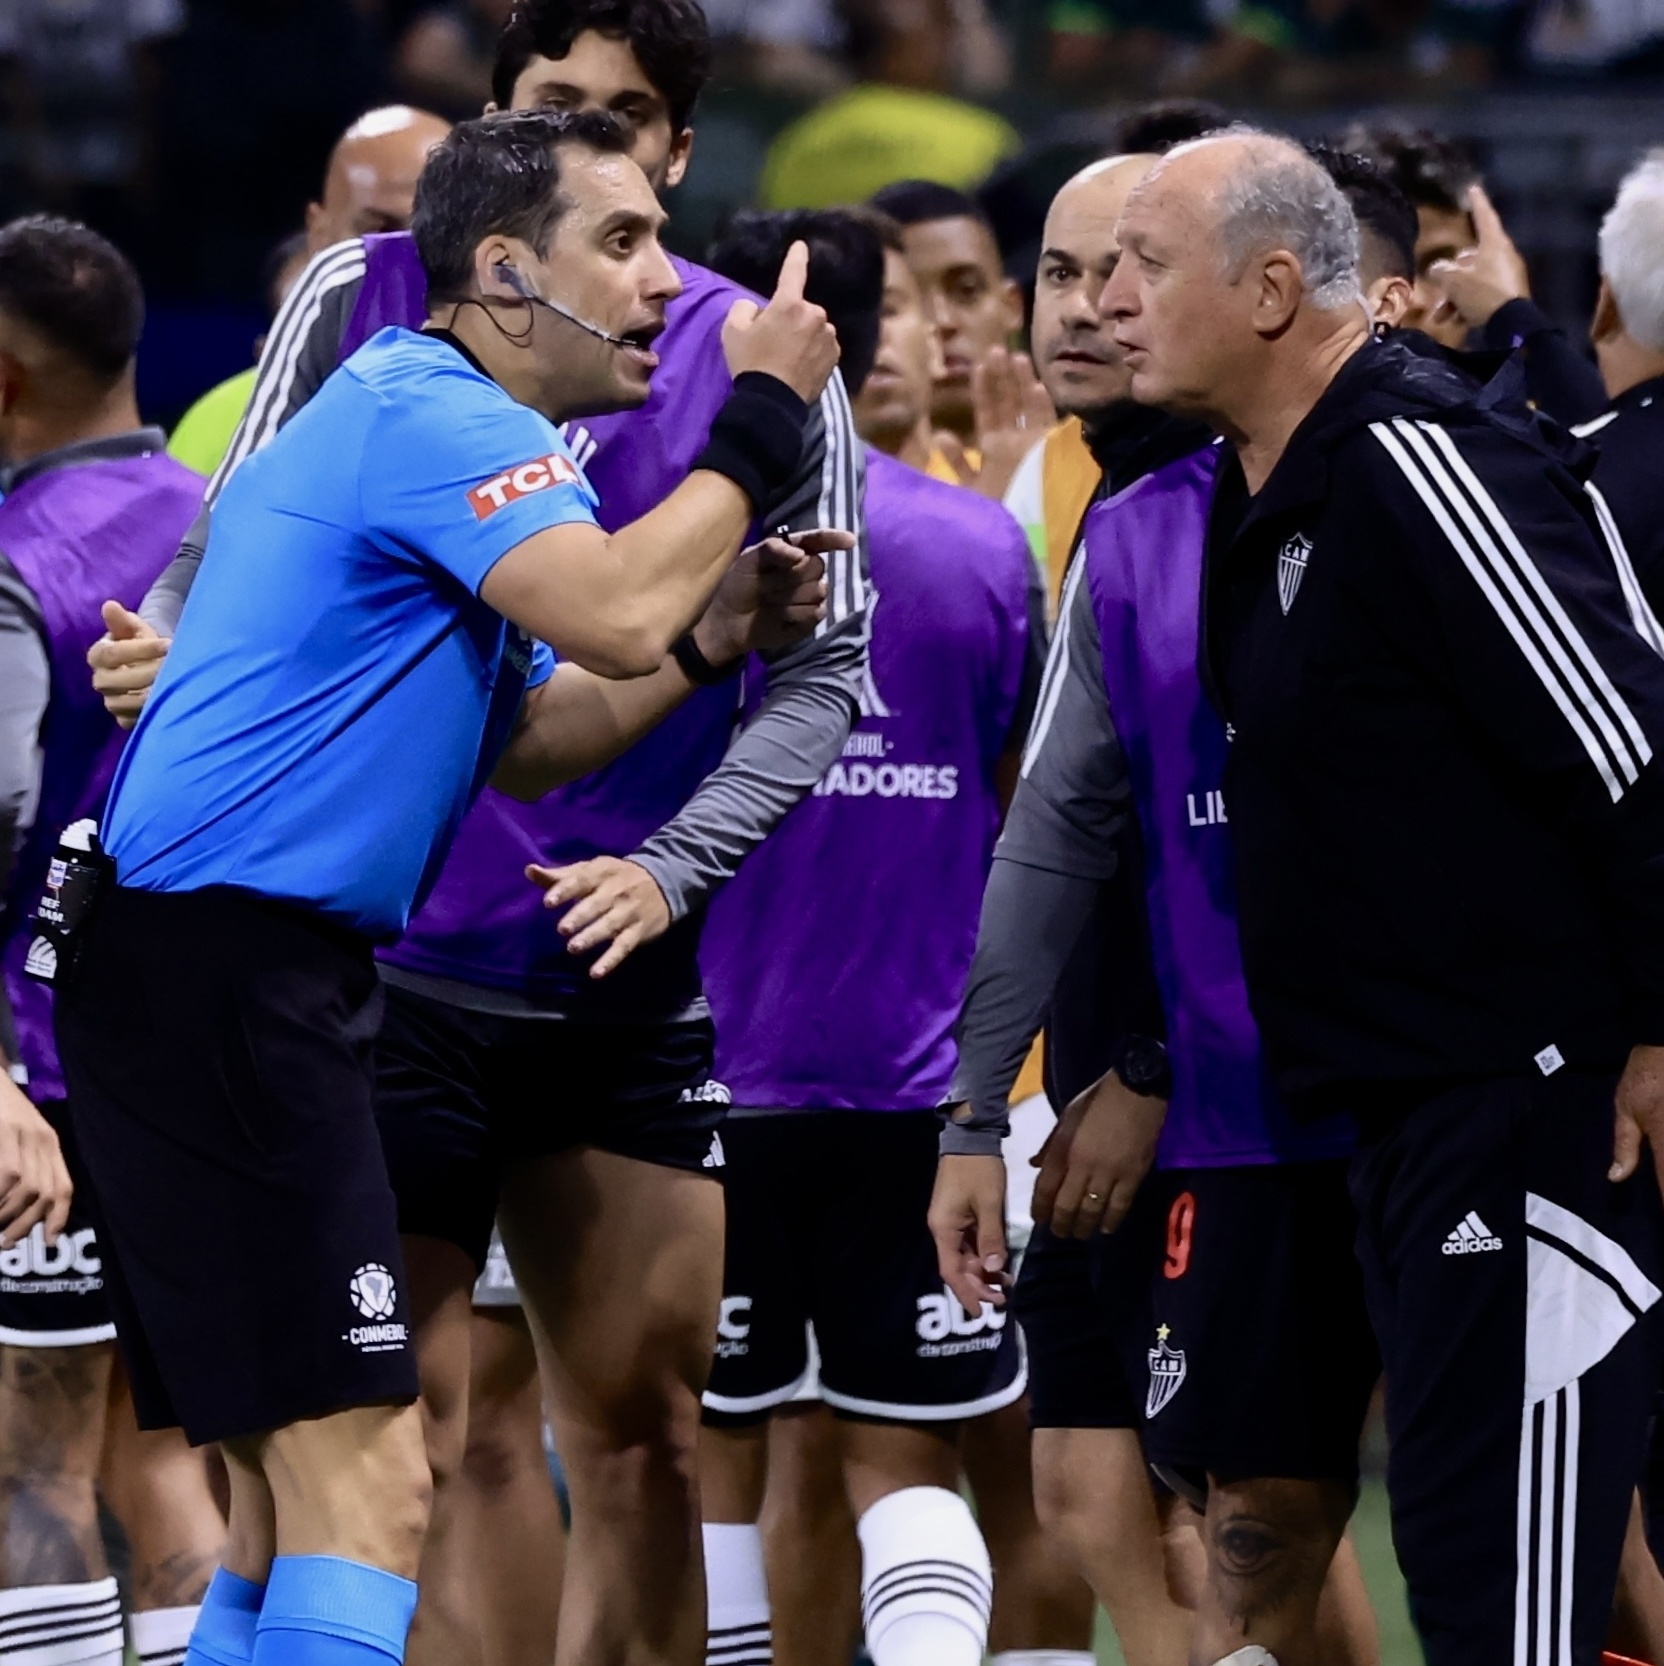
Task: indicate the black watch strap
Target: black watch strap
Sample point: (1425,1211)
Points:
(1144,1068)
(696,668)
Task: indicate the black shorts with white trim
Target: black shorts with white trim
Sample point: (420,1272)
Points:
(826,1229)
(1515,1290)
(52,1295)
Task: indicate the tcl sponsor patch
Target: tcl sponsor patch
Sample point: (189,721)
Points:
(536,476)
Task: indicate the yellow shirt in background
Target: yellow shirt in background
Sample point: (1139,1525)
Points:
(939,468)
(203,435)
(862,140)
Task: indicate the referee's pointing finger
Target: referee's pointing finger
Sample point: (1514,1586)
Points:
(794,273)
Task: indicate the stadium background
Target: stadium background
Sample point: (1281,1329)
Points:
(194,132)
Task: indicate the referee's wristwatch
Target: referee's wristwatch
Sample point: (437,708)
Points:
(1144,1068)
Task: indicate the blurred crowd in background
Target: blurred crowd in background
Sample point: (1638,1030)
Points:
(195,132)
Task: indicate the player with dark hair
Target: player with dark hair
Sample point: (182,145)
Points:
(1156,128)
(1472,288)
(485,989)
(92,508)
(846,271)
(1387,231)
(1436,175)
(833,1025)
(973,304)
(668,39)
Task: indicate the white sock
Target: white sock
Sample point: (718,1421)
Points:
(160,1636)
(926,1582)
(1043,1657)
(61,1625)
(1250,1655)
(737,1630)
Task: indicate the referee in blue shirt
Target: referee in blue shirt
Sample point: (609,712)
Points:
(363,650)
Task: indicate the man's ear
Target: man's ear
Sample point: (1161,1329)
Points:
(489,254)
(1012,293)
(1389,299)
(1279,285)
(1606,322)
(676,164)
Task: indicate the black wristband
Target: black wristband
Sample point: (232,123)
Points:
(696,668)
(757,437)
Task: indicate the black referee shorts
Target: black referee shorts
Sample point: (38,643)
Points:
(1515,1292)
(460,1093)
(218,1052)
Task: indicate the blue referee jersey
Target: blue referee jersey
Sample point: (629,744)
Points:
(337,692)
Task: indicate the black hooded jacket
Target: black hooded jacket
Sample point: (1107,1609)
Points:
(1444,789)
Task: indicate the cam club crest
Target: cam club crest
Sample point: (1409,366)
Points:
(1167,1366)
(1292,560)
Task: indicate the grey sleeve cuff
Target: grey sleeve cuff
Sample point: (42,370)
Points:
(960,1141)
(165,599)
(795,737)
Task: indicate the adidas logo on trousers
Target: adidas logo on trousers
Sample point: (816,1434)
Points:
(1470,1237)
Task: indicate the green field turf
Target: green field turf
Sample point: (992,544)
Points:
(1369,1528)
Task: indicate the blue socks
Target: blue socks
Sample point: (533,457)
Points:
(327,1611)
(224,1634)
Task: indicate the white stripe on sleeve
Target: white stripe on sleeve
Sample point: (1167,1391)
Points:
(1558,660)
(342,263)
(1635,598)
(1056,673)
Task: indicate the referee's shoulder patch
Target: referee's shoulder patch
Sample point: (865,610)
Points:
(536,475)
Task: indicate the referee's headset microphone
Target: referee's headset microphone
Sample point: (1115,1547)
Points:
(511,275)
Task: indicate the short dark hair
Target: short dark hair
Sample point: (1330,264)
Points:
(1433,172)
(846,270)
(1384,214)
(670,38)
(1155,129)
(498,173)
(887,231)
(75,288)
(916,202)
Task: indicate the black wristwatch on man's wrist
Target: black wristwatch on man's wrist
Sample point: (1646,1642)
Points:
(1144,1068)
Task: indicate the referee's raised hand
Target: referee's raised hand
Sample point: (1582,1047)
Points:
(791,338)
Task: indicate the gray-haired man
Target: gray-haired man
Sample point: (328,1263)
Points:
(1449,827)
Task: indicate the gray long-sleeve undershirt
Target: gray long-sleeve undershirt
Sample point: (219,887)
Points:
(798,731)
(25,690)
(1061,846)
